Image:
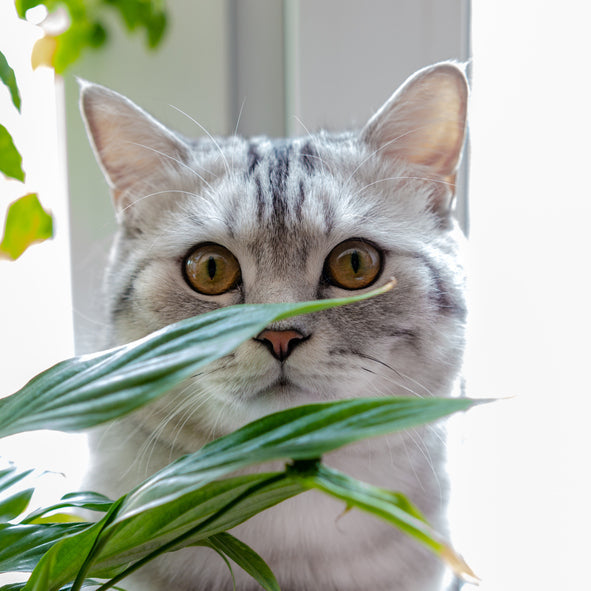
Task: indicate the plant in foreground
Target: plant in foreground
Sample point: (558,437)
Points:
(196,499)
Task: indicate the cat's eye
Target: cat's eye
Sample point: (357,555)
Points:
(353,264)
(211,269)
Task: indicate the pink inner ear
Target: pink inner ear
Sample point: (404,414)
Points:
(424,122)
(134,150)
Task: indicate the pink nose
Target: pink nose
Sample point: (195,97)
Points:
(280,343)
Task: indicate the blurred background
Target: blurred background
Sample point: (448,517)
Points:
(521,487)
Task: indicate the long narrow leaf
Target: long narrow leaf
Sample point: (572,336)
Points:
(245,557)
(182,504)
(13,506)
(69,553)
(10,476)
(301,433)
(23,545)
(92,389)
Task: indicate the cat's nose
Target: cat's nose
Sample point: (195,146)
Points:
(281,343)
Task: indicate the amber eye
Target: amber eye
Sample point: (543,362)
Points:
(211,269)
(353,264)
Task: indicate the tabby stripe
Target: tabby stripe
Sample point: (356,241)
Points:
(260,199)
(253,158)
(300,202)
(127,294)
(278,174)
(309,157)
(441,295)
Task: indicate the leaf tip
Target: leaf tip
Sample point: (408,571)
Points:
(459,566)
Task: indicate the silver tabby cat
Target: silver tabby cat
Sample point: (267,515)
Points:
(218,221)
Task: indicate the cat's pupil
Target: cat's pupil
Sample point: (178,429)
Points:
(211,267)
(355,262)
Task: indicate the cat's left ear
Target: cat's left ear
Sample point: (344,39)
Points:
(424,124)
(134,150)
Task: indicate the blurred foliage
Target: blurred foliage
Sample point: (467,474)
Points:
(26,223)
(86,27)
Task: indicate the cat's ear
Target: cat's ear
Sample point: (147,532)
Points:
(133,149)
(424,124)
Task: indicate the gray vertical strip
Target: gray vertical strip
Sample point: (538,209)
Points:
(259,64)
(291,68)
(463,203)
(233,101)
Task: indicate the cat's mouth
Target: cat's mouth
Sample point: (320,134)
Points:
(282,387)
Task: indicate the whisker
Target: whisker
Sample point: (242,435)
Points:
(398,373)
(180,162)
(215,142)
(239,116)
(400,178)
(163,193)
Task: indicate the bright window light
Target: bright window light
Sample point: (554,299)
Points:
(522,508)
(35,301)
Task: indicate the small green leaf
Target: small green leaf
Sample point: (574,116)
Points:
(7,76)
(10,158)
(26,222)
(88,501)
(10,476)
(246,558)
(14,505)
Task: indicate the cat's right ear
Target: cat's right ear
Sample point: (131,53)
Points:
(134,150)
(424,125)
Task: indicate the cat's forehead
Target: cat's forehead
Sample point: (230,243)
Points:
(286,194)
(281,201)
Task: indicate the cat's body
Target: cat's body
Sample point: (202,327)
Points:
(293,220)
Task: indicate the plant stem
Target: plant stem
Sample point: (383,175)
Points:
(97,546)
(189,533)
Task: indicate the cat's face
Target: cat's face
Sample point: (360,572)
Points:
(216,222)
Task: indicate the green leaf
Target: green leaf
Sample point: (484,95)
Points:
(89,501)
(69,553)
(14,505)
(26,223)
(245,557)
(92,389)
(301,433)
(9,79)
(22,546)
(23,5)
(184,504)
(12,475)
(10,158)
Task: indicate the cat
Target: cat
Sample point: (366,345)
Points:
(218,221)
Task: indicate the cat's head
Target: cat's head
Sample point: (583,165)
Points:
(219,221)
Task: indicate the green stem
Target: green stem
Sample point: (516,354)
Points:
(98,545)
(191,532)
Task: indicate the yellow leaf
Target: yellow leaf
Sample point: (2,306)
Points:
(26,222)
(44,52)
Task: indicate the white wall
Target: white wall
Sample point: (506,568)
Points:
(526,488)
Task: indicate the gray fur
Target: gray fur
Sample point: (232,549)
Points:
(281,206)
